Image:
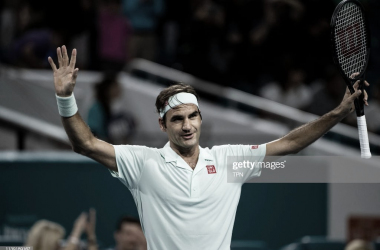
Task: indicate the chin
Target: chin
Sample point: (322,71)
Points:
(190,143)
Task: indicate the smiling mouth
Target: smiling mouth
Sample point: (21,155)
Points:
(188,136)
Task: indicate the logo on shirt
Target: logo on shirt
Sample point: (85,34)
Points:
(255,147)
(211,169)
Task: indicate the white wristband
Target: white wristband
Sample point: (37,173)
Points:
(67,106)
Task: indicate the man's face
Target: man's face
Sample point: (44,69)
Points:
(130,237)
(183,126)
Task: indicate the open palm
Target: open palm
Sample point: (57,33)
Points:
(65,76)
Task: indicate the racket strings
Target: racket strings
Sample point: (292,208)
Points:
(353,44)
(351,39)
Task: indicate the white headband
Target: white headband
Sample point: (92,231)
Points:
(178,99)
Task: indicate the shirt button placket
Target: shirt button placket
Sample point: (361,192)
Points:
(194,187)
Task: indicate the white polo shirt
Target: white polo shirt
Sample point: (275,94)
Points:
(182,208)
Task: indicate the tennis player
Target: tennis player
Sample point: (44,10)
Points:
(180,190)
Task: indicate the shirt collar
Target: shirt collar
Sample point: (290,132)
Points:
(170,155)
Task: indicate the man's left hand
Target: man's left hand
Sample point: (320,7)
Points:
(348,99)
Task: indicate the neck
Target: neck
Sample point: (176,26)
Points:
(189,155)
(186,152)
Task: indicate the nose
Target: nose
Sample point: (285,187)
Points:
(186,125)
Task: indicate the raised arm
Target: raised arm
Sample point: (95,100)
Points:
(305,135)
(81,138)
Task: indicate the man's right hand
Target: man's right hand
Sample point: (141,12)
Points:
(66,75)
(81,138)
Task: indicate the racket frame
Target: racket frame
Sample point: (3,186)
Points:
(359,104)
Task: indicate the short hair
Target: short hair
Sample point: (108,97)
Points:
(44,235)
(358,245)
(165,94)
(102,87)
(126,219)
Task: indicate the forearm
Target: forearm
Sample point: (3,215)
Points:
(79,133)
(92,247)
(305,135)
(71,246)
(91,242)
(73,240)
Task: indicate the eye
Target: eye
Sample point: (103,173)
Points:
(193,115)
(176,118)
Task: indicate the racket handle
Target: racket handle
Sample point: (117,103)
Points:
(363,137)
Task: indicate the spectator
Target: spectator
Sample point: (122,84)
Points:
(174,23)
(241,17)
(358,245)
(114,35)
(329,94)
(83,35)
(106,125)
(290,90)
(84,223)
(45,235)
(7,28)
(32,49)
(317,37)
(144,16)
(129,235)
(206,57)
(276,38)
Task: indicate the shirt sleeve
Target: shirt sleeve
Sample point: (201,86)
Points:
(130,164)
(246,158)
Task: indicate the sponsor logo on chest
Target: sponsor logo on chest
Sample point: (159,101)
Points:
(211,169)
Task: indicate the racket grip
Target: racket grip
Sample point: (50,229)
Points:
(363,137)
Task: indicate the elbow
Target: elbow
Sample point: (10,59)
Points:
(82,149)
(77,149)
(294,147)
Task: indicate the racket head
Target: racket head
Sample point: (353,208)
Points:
(350,37)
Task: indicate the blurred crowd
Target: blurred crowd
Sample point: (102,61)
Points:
(116,127)
(128,235)
(48,235)
(107,33)
(278,49)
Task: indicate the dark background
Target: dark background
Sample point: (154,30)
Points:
(244,44)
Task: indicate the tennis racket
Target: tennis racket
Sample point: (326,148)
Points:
(351,46)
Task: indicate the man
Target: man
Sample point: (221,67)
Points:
(181,193)
(128,235)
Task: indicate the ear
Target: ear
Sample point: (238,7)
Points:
(161,123)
